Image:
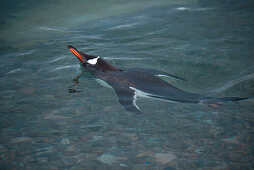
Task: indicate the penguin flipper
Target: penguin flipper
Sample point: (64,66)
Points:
(165,74)
(127,98)
(170,76)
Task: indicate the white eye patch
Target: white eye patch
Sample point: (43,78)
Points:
(93,61)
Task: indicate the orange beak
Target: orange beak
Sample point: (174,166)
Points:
(76,53)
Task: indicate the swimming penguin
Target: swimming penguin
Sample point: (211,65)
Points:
(139,82)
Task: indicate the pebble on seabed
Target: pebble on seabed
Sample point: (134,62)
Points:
(107,159)
(3,149)
(43,159)
(65,141)
(71,149)
(165,158)
(21,139)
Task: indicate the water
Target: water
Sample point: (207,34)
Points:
(43,126)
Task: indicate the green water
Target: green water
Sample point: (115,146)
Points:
(43,126)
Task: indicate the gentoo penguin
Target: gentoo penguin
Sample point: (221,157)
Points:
(138,82)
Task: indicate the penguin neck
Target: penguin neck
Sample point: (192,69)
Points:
(105,66)
(101,65)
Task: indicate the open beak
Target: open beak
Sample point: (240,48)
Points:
(76,53)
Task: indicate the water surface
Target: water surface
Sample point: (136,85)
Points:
(43,126)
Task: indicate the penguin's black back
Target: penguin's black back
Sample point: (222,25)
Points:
(147,82)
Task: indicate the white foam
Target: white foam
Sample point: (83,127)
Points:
(193,9)
(182,8)
(56,78)
(202,9)
(64,67)
(14,71)
(54,29)
(27,53)
(57,59)
(123,26)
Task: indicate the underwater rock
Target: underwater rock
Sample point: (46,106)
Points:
(144,154)
(123,165)
(94,128)
(164,158)
(49,97)
(4,122)
(232,140)
(28,90)
(55,117)
(71,149)
(95,138)
(20,139)
(65,141)
(107,159)
(45,150)
(3,149)
(42,159)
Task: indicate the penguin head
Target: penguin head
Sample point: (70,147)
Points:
(83,58)
(92,62)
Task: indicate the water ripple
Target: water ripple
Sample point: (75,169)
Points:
(64,67)
(122,26)
(54,29)
(240,78)
(57,59)
(14,71)
(29,52)
(193,9)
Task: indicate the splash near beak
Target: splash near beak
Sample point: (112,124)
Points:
(76,53)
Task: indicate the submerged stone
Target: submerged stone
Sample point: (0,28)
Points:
(49,97)
(232,140)
(20,139)
(144,154)
(71,149)
(55,117)
(123,165)
(3,149)
(95,138)
(107,159)
(43,159)
(65,141)
(5,123)
(165,158)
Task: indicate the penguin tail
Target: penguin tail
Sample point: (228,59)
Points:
(217,102)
